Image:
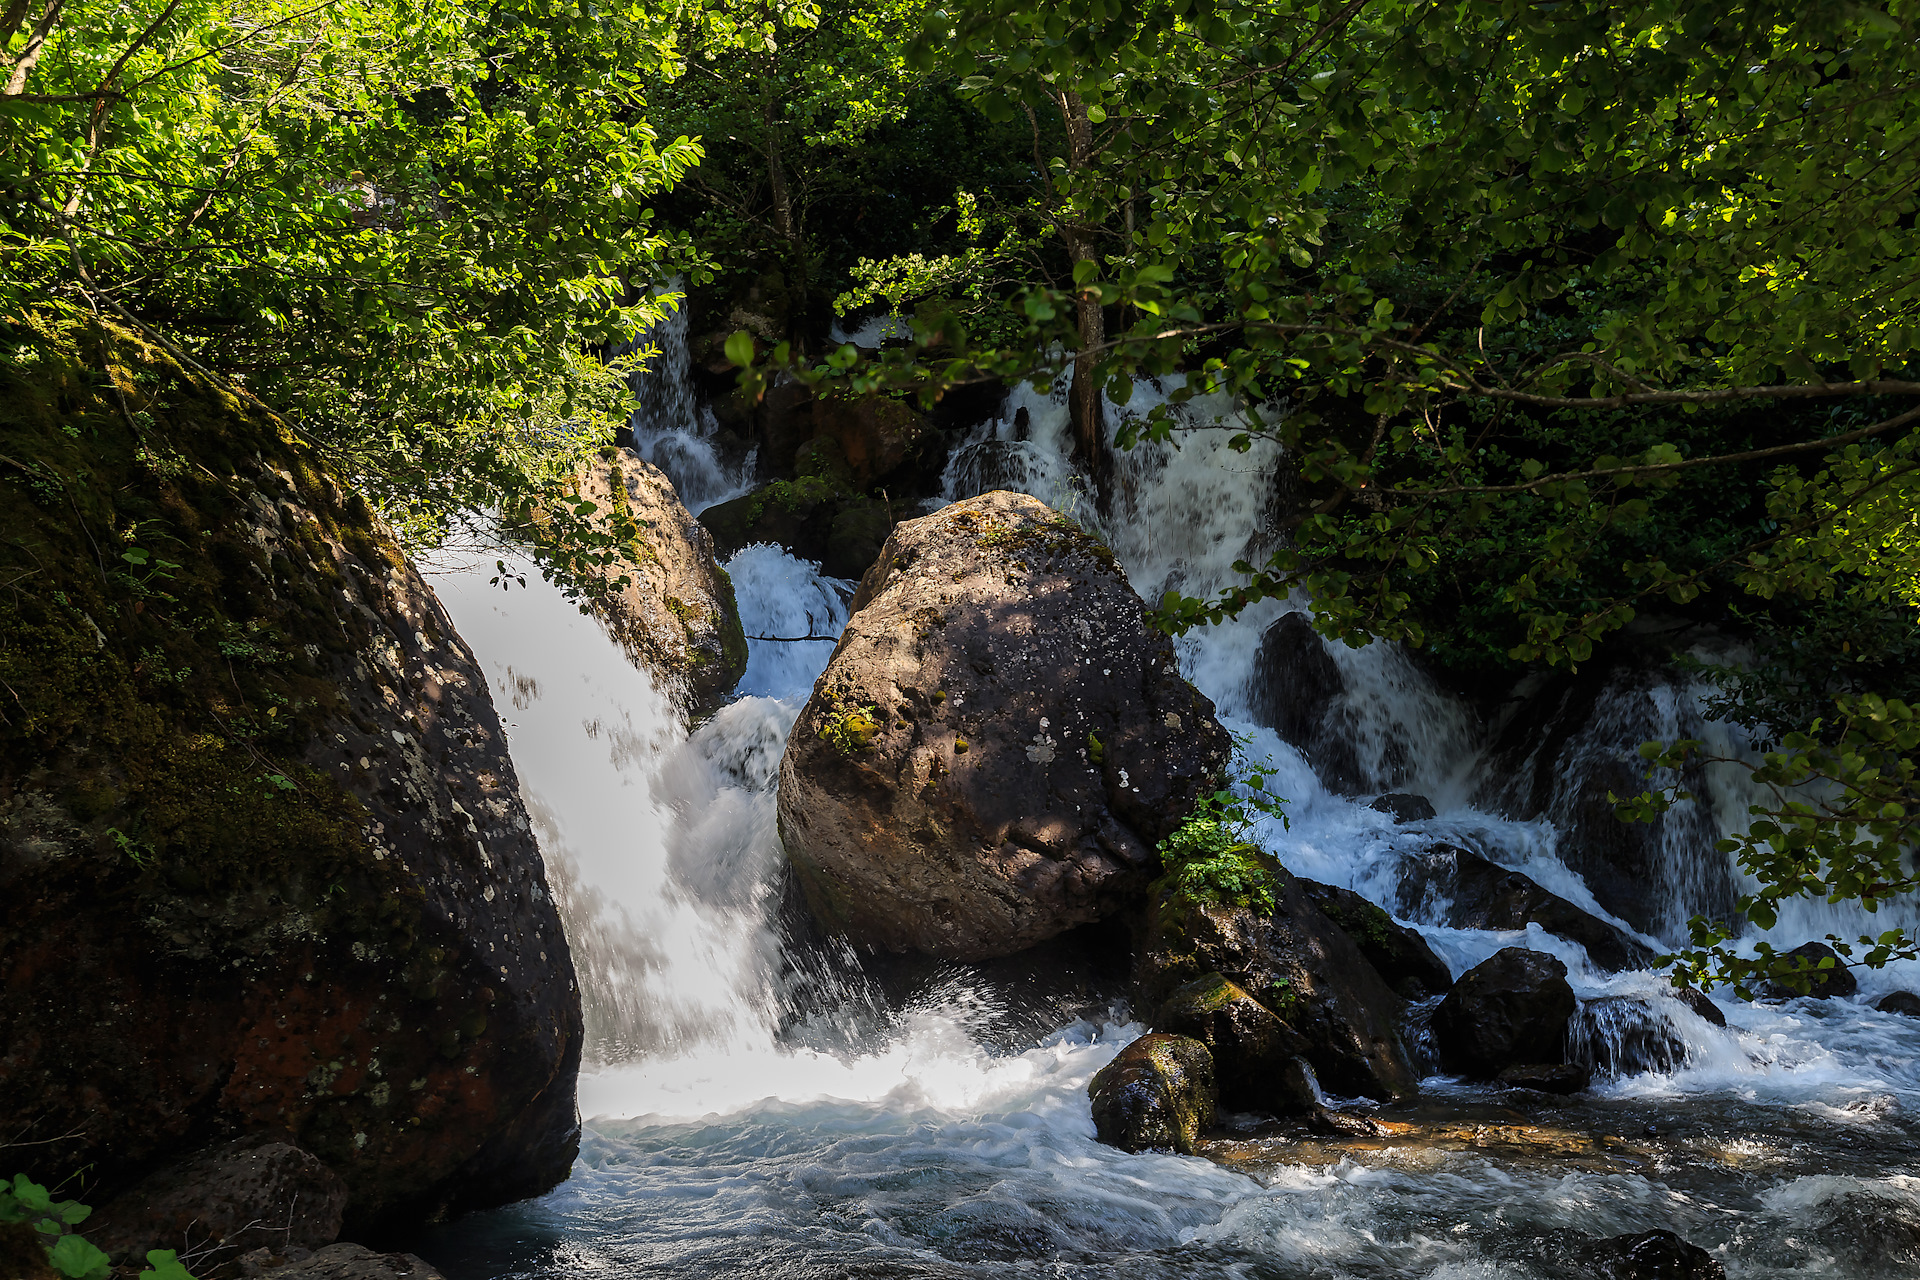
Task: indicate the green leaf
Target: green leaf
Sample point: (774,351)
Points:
(77,1259)
(739,348)
(164,1264)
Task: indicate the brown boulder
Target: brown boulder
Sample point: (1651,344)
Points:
(1156,1095)
(997,743)
(668,601)
(1298,964)
(264,863)
(1510,1010)
(877,435)
(244,1195)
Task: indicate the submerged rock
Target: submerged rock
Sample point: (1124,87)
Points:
(1254,1052)
(675,614)
(1626,1035)
(263,856)
(1301,967)
(1404,807)
(1463,890)
(1512,1009)
(1701,1003)
(1546,1077)
(1400,954)
(1651,1255)
(244,1195)
(1156,1095)
(997,743)
(1901,1002)
(1828,976)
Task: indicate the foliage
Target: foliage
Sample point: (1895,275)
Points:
(398,224)
(851,729)
(1209,859)
(25,1200)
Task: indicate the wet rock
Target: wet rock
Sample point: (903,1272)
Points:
(1625,1035)
(676,615)
(1297,692)
(877,436)
(1650,1255)
(244,1195)
(1546,1077)
(1255,1055)
(263,854)
(337,1262)
(819,515)
(1701,1003)
(1156,1095)
(997,743)
(1828,975)
(1511,1009)
(1463,890)
(23,1255)
(1298,964)
(1563,742)
(1400,954)
(1404,807)
(1902,1002)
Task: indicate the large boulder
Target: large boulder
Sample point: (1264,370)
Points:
(1450,886)
(1511,1010)
(665,598)
(1156,1095)
(1400,954)
(1300,966)
(264,863)
(253,1193)
(997,743)
(1251,1047)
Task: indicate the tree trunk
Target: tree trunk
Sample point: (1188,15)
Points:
(1085,400)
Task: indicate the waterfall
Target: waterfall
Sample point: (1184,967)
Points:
(673,430)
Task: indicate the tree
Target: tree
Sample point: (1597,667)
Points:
(1469,244)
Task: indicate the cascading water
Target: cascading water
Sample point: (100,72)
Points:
(754,1107)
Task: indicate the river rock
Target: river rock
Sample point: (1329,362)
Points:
(264,863)
(336,1262)
(1546,1077)
(1512,1009)
(1701,1003)
(1463,890)
(1298,692)
(1252,1048)
(1834,980)
(819,515)
(1156,1095)
(667,600)
(1400,954)
(1403,807)
(997,743)
(240,1196)
(1901,1002)
(1626,1035)
(1651,1255)
(877,435)
(1302,967)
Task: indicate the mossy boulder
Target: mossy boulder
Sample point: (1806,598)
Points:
(1252,1047)
(997,743)
(1298,964)
(1400,954)
(667,600)
(263,857)
(1157,1094)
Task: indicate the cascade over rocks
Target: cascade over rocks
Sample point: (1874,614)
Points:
(1301,967)
(1400,954)
(1156,1095)
(1463,890)
(263,856)
(1510,1010)
(676,616)
(997,743)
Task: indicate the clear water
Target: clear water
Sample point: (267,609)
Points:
(756,1108)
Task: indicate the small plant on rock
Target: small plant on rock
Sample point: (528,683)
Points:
(850,730)
(1209,860)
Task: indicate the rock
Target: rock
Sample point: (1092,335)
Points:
(23,1256)
(1701,1003)
(1563,742)
(1255,1055)
(1902,1002)
(1651,1255)
(1404,807)
(1298,693)
(819,515)
(1302,967)
(1835,979)
(675,615)
(1156,1095)
(337,1262)
(997,743)
(877,436)
(1513,1008)
(1400,954)
(264,860)
(248,1194)
(1462,890)
(1625,1035)
(1546,1077)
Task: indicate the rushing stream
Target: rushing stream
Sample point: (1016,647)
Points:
(754,1108)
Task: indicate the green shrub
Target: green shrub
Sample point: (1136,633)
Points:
(24,1200)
